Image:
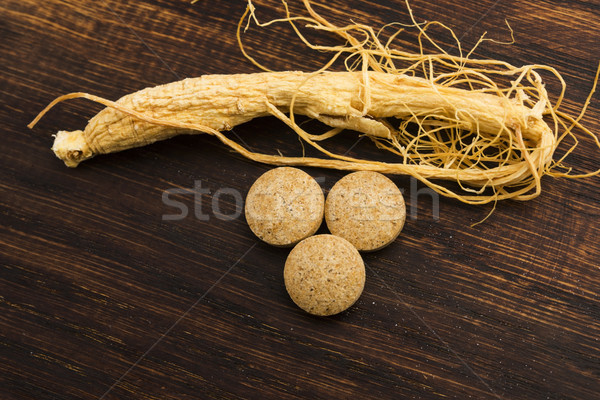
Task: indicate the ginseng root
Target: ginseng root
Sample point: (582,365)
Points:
(459,126)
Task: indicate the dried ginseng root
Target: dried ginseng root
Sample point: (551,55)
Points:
(484,124)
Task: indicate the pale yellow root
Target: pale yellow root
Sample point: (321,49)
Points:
(458,123)
(220,102)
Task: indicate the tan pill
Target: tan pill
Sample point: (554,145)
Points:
(367,209)
(284,206)
(324,274)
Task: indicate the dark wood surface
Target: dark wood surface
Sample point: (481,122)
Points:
(102,298)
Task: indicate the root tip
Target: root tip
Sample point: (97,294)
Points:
(71,147)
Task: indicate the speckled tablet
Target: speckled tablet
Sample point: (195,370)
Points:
(367,209)
(284,206)
(324,274)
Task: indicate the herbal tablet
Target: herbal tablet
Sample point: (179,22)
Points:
(284,206)
(367,209)
(324,274)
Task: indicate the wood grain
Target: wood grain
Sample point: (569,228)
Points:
(101,298)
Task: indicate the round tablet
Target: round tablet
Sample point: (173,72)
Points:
(284,206)
(324,274)
(367,209)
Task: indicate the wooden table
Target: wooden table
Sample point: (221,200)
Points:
(105,293)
